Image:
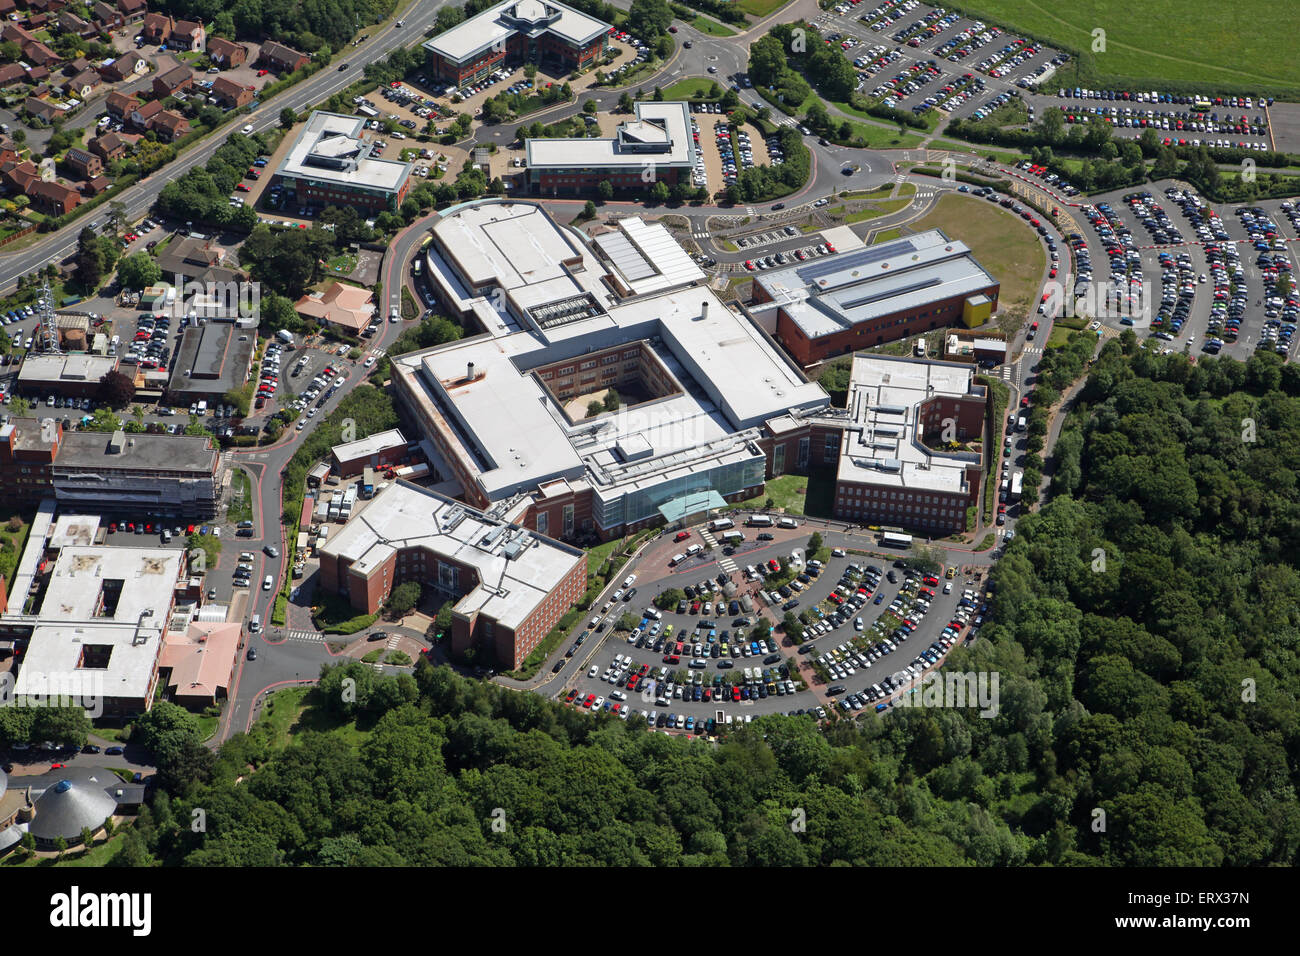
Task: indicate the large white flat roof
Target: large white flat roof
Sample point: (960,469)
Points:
(884,445)
(671,141)
(730,377)
(148,577)
(66,368)
(371,445)
(498,23)
(408,516)
(330,148)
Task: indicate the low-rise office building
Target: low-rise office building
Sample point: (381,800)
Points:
(376,451)
(515,32)
(74,376)
(511,585)
(657,146)
(865,297)
(212,359)
(330,164)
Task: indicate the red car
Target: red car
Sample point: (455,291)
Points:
(1024,401)
(589,701)
(682,535)
(931,580)
(263,72)
(774,565)
(57,766)
(242,188)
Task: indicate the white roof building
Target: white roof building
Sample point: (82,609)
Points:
(496,25)
(331,150)
(660,136)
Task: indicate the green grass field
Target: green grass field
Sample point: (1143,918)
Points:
(1196,41)
(761,8)
(689,88)
(712,27)
(1007,249)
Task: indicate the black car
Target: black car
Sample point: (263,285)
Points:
(252,653)
(342,67)
(90,749)
(377,636)
(629,595)
(114,751)
(559,665)
(835,689)
(766,537)
(790,605)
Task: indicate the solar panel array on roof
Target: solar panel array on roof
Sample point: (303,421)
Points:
(847,260)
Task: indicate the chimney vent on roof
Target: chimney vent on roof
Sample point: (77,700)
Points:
(469,372)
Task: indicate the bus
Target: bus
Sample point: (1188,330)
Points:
(732,537)
(894,540)
(721,524)
(759,521)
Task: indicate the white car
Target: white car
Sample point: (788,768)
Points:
(248,129)
(369,361)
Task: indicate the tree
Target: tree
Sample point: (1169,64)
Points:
(659,94)
(139,270)
(660,192)
(648,19)
(814,543)
(669,598)
(403,599)
(164,729)
(627,622)
(612,400)
(605,189)
(625,102)
(116,390)
(590,107)
(594,408)
(589,210)
(90,260)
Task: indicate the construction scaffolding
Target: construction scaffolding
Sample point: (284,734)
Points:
(47,323)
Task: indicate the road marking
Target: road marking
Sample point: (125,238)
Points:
(1006,373)
(306,637)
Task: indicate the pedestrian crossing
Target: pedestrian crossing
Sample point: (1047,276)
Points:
(1033,350)
(731,567)
(707,537)
(1006,373)
(700,235)
(305,637)
(378,352)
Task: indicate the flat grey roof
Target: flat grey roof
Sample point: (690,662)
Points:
(528,17)
(213,358)
(840,291)
(144,452)
(64,369)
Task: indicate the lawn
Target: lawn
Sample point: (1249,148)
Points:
(886,236)
(99,854)
(862,215)
(712,27)
(691,88)
(1199,42)
(342,265)
(761,8)
(13,536)
(1009,250)
(799,494)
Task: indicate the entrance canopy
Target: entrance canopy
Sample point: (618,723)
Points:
(697,502)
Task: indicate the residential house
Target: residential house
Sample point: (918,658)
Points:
(53,199)
(143,115)
(107,17)
(39,54)
(37,21)
(82,164)
(42,108)
(8,150)
(109,147)
(83,84)
(157,27)
(282,59)
(20,35)
(227,54)
(45,6)
(18,177)
(38,74)
(230,94)
(69,22)
(11,73)
(132,10)
(188,35)
(126,67)
(94,187)
(169,126)
(177,78)
(119,105)
(7,7)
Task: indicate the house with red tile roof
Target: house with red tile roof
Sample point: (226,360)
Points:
(52,198)
(226,54)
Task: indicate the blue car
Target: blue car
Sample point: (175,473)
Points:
(879,598)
